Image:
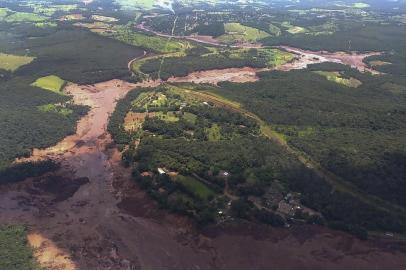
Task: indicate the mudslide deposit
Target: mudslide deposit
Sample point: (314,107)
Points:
(90,215)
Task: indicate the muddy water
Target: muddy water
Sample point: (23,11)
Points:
(108,223)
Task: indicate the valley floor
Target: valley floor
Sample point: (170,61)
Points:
(90,214)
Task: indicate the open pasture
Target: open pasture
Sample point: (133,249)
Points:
(12,62)
(238,33)
(52,83)
(336,77)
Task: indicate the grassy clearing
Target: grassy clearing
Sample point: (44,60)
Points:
(214,133)
(49,10)
(12,62)
(55,109)
(161,101)
(131,4)
(293,29)
(274,30)
(275,57)
(195,187)
(238,33)
(169,117)
(4,12)
(45,24)
(155,43)
(360,5)
(25,17)
(336,77)
(52,83)
(190,117)
(15,254)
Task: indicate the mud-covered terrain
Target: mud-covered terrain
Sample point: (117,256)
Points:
(90,215)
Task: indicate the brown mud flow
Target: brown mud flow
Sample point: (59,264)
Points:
(90,215)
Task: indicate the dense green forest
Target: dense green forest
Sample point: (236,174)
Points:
(357,134)
(15,253)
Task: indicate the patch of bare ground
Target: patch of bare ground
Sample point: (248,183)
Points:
(305,58)
(237,75)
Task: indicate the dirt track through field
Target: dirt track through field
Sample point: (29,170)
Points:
(108,223)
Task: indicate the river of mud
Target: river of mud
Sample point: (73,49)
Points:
(90,215)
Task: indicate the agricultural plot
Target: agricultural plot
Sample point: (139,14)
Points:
(337,77)
(12,62)
(52,83)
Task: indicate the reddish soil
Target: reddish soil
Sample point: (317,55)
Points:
(354,60)
(90,215)
(238,75)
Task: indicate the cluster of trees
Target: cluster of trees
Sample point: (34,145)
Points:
(217,114)
(358,135)
(341,210)
(23,126)
(175,197)
(21,171)
(67,54)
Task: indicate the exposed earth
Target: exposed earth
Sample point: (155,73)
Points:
(90,215)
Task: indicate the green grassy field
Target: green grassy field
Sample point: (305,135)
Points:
(3,12)
(336,77)
(293,29)
(52,83)
(238,33)
(131,4)
(155,43)
(12,62)
(360,5)
(194,186)
(49,10)
(190,117)
(25,17)
(213,133)
(55,109)
(15,254)
(168,117)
